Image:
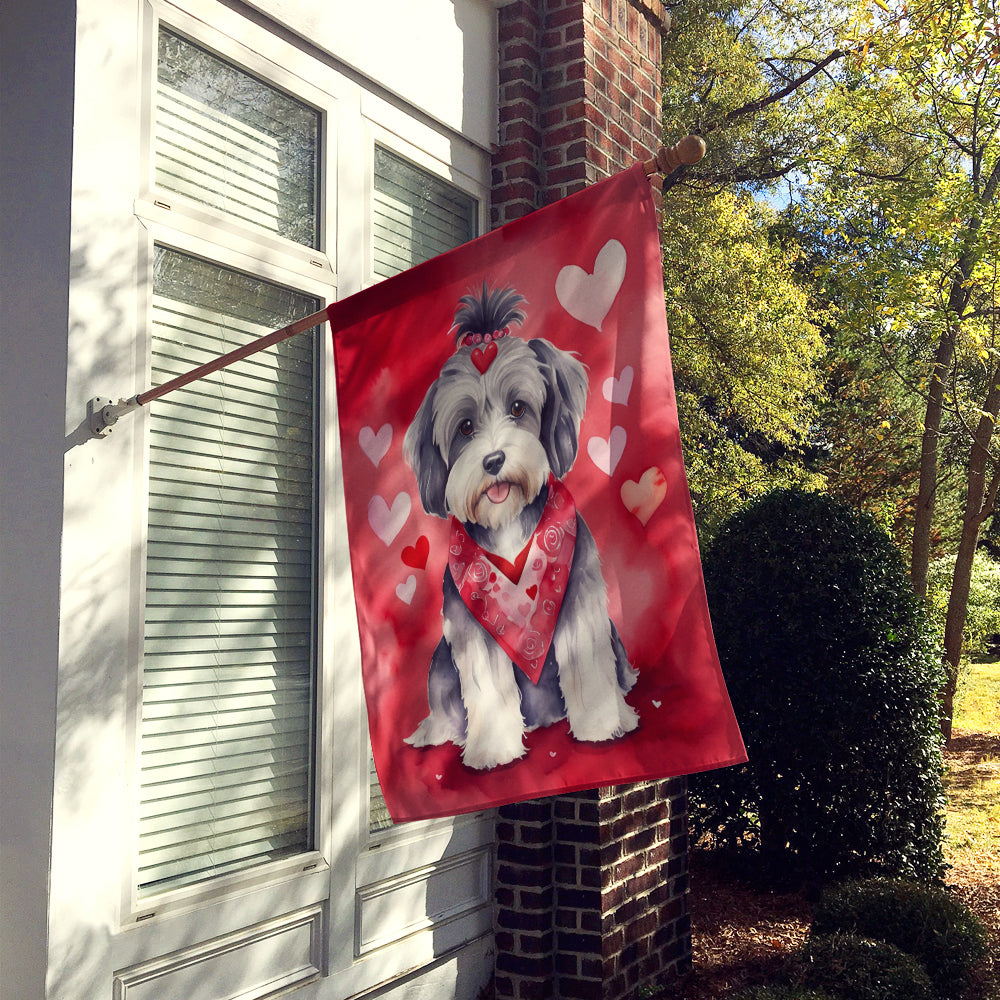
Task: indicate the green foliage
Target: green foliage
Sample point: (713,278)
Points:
(833,673)
(857,968)
(727,70)
(746,354)
(926,922)
(746,351)
(983,612)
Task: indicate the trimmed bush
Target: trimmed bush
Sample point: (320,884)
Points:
(925,922)
(833,672)
(856,968)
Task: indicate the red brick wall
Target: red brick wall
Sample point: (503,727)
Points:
(591,893)
(579,96)
(591,889)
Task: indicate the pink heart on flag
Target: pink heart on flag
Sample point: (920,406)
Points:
(617,390)
(588,297)
(375,445)
(643,497)
(405,591)
(388,521)
(605,454)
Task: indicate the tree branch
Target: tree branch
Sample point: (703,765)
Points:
(754,106)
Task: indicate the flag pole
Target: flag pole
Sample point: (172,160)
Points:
(103,413)
(687,152)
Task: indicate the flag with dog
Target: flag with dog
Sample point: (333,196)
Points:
(526,573)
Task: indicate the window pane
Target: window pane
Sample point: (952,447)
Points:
(228,658)
(416,217)
(228,140)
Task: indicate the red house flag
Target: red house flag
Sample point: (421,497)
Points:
(526,572)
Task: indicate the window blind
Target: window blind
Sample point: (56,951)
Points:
(416,216)
(228,655)
(225,139)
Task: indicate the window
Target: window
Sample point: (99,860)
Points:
(252,804)
(228,679)
(229,647)
(416,216)
(210,826)
(227,140)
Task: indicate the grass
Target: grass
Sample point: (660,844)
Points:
(972,848)
(973,782)
(978,697)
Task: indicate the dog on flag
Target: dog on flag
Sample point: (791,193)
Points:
(527,639)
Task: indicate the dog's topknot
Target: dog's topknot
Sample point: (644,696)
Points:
(487,316)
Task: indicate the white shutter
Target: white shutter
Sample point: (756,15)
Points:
(416,216)
(228,659)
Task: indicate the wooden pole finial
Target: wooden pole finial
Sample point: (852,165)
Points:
(668,158)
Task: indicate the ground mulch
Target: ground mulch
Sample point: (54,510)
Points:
(742,934)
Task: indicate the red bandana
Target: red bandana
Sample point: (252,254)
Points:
(518,603)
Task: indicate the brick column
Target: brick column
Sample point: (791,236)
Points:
(591,888)
(579,96)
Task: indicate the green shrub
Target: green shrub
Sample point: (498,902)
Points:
(856,968)
(926,922)
(982,620)
(833,672)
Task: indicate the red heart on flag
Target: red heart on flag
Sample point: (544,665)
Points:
(416,555)
(482,357)
(532,591)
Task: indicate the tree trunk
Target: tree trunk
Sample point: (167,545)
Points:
(920,554)
(958,299)
(980,499)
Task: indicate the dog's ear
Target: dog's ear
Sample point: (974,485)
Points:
(565,400)
(425,459)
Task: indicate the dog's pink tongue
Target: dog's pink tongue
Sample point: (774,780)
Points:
(498,492)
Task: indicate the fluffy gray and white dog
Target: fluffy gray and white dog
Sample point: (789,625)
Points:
(501,418)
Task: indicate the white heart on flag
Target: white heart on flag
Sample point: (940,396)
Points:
(388,521)
(406,590)
(588,297)
(605,454)
(617,390)
(375,445)
(644,497)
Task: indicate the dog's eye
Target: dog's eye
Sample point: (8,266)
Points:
(517,409)
(465,428)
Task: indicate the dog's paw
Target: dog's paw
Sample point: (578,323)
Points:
(628,717)
(485,758)
(611,723)
(432,732)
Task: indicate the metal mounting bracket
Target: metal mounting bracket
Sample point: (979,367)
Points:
(103,413)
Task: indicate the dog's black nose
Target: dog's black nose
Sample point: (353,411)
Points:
(493,462)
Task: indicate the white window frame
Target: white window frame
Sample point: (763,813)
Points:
(350,873)
(180,224)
